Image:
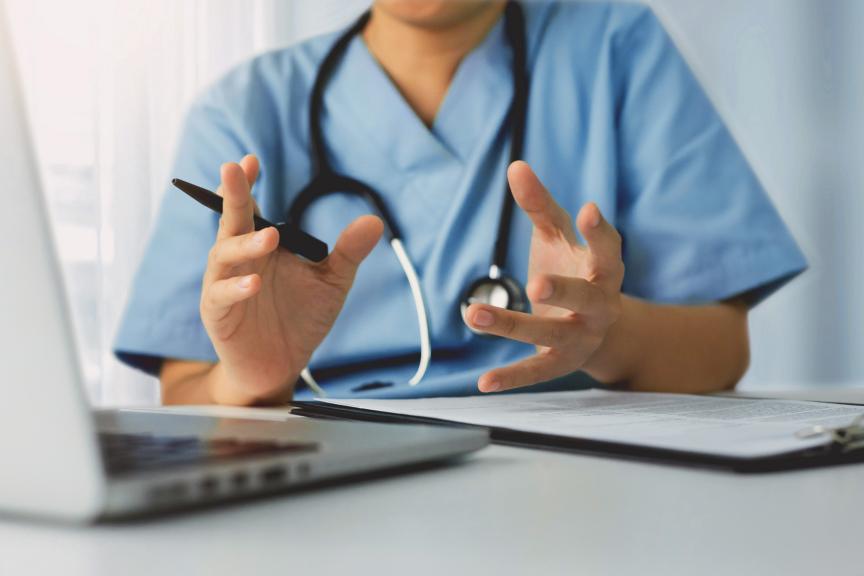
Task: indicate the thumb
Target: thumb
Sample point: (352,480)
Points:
(353,246)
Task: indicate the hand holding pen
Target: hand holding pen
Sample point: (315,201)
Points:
(266,310)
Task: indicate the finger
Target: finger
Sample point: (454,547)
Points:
(250,167)
(230,252)
(528,328)
(353,246)
(574,294)
(237,205)
(541,367)
(532,197)
(220,296)
(604,241)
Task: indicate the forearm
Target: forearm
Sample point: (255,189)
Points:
(656,347)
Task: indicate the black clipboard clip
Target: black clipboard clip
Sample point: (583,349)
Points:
(845,438)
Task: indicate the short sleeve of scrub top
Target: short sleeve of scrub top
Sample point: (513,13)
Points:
(698,225)
(615,116)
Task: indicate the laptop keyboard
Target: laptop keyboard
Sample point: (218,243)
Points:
(125,453)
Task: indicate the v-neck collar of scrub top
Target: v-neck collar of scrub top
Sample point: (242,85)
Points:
(475,103)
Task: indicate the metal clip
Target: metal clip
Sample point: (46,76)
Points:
(850,437)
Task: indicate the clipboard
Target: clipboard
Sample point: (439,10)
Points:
(844,445)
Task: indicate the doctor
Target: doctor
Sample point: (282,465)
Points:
(639,233)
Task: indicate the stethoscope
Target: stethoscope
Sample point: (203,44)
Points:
(496,288)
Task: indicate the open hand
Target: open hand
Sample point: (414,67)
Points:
(575,290)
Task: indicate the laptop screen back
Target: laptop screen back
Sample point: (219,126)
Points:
(49,458)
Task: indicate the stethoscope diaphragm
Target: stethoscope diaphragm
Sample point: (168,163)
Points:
(495,289)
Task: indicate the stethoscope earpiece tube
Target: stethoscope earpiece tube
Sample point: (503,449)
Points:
(515,29)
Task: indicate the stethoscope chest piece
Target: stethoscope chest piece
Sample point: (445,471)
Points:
(496,290)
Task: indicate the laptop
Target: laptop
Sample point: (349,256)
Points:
(61,461)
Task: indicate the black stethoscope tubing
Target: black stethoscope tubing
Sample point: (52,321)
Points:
(326,181)
(488,289)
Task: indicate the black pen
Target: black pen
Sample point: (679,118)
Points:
(290,237)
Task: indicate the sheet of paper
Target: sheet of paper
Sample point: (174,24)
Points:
(707,424)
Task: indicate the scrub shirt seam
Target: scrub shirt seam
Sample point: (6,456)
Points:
(756,273)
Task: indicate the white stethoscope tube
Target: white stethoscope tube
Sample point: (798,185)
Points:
(420,306)
(422,322)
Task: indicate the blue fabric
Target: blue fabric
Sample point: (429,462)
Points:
(615,117)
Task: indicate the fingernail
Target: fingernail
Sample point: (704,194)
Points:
(546,291)
(483,318)
(259,237)
(491,386)
(245,282)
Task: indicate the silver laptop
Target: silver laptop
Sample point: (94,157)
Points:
(59,460)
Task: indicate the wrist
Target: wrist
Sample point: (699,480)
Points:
(618,357)
(223,388)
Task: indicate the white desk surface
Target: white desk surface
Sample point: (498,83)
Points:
(503,511)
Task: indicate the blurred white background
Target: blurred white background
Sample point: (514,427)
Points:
(108,82)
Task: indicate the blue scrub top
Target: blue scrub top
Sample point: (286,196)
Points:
(615,116)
